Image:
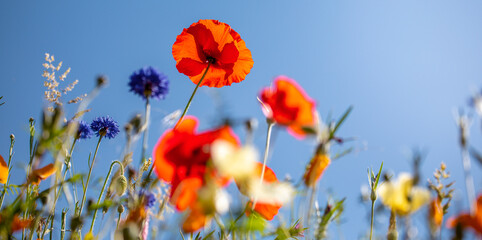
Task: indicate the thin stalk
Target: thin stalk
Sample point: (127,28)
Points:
(392,227)
(10,154)
(469,182)
(265,159)
(371,221)
(88,177)
(192,95)
(51,227)
(31,153)
(62,224)
(103,188)
(146,130)
(118,221)
(310,206)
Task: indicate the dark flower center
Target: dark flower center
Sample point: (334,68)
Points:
(211,60)
(148,89)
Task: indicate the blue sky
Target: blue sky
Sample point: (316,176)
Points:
(404,66)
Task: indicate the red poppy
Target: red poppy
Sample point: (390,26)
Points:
(266,210)
(473,221)
(181,156)
(287,104)
(316,168)
(215,43)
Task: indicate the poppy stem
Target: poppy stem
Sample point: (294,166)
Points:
(192,95)
(265,159)
(10,154)
(102,191)
(88,177)
(57,193)
(146,130)
(469,182)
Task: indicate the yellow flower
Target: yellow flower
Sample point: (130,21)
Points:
(401,196)
(3,170)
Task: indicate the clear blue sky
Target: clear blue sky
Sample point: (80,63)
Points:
(404,66)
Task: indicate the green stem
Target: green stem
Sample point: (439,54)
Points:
(103,188)
(10,154)
(57,193)
(192,95)
(371,222)
(62,224)
(146,130)
(265,159)
(310,206)
(88,177)
(392,228)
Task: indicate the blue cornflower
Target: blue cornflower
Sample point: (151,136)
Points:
(105,126)
(148,82)
(148,198)
(84,131)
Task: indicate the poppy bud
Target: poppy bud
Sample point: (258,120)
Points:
(119,185)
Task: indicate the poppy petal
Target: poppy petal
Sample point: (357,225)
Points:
(3,170)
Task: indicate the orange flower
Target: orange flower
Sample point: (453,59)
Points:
(287,104)
(468,220)
(196,220)
(17,223)
(436,213)
(215,43)
(42,173)
(316,168)
(3,170)
(181,157)
(266,210)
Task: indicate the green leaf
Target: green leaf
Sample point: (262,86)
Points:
(378,175)
(342,119)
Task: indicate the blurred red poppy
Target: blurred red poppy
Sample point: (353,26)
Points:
(287,104)
(473,221)
(213,43)
(181,156)
(266,210)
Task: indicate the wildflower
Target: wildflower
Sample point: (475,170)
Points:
(401,196)
(181,156)
(3,170)
(40,174)
(148,82)
(84,131)
(148,198)
(436,213)
(233,161)
(105,126)
(17,223)
(316,168)
(268,199)
(473,221)
(287,104)
(195,220)
(214,44)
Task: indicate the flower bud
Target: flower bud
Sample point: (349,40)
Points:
(119,186)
